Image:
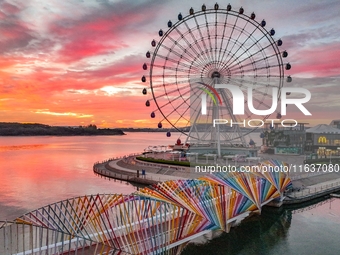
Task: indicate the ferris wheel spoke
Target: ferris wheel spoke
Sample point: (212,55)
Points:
(247,113)
(252,82)
(233,117)
(209,36)
(235,43)
(215,48)
(222,39)
(255,79)
(267,68)
(264,58)
(185,100)
(241,46)
(174,60)
(262,103)
(198,56)
(257,91)
(227,101)
(184,49)
(174,99)
(170,92)
(209,47)
(189,45)
(230,36)
(178,82)
(182,115)
(250,47)
(181,64)
(192,47)
(179,55)
(239,61)
(178,120)
(171,76)
(203,42)
(161,67)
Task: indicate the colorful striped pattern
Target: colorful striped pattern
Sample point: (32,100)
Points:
(159,219)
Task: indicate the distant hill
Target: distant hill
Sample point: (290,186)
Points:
(36,129)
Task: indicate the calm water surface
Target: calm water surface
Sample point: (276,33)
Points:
(36,171)
(313,229)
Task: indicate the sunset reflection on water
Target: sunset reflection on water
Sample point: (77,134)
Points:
(36,171)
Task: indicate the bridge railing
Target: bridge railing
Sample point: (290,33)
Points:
(27,239)
(131,177)
(307,192)
(131,160)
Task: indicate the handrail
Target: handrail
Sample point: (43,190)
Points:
(307,192)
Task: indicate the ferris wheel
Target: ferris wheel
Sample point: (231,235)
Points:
(197,53)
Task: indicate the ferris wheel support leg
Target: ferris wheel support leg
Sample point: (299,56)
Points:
(218,137)
(192,127)
(237,129)
(218,142)
(216,131)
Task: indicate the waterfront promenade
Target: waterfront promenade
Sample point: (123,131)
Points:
(126,168)
(306,185)
(152,220)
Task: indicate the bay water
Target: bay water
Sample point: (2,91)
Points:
(39,170)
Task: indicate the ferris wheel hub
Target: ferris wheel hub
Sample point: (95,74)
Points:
(216,74)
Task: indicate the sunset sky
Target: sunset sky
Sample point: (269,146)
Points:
(79,62)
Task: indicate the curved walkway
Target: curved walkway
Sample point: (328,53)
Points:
(161,172)
(127,169)
(306,186)
(150,173)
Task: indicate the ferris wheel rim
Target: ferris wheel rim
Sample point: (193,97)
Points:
(246,18)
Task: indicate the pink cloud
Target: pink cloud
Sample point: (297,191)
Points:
(321,61)
(15,35)
(98,33)
(9,9)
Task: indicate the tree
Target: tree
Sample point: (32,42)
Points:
(92,126)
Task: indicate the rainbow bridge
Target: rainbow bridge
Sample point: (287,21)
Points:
(160,219)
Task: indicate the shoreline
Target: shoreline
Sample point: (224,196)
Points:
(37,129)
(63,135)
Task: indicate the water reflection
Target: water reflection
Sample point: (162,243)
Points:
(256,235)
(22,147)
(309,228)
(36,171)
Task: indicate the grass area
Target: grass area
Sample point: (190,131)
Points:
(163,161)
